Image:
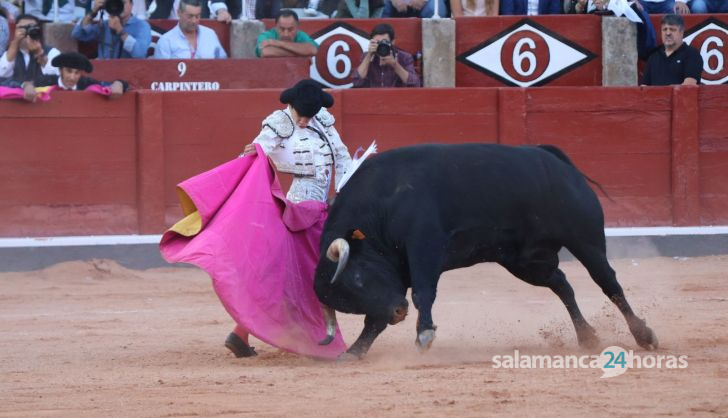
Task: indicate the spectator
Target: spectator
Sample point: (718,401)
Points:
(632,10)
(71,66)
(26,57)
(531,7)
(460,8)
(383,65)
(675,62)
(189,39)
(708,6)
(165,9)
(43,10)
(268,9)
(360,9)
(653,7)
(413,8)
(227,10)
(328,7)
(285,40)
(121,36)
(11,10)
(4,31)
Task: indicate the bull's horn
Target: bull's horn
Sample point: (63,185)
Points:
(338,252)
(330,316)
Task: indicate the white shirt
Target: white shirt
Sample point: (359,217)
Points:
(473,7)
(532,8)
(248,7)
(7,67)
(63,87)
(65,12)
(173,44)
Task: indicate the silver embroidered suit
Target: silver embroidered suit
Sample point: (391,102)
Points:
(310,154)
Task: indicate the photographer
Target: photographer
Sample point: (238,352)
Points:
(121,36)
(26,58)
(383,65)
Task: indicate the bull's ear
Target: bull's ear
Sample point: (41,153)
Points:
(357,234)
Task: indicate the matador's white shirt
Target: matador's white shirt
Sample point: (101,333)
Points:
(310,154)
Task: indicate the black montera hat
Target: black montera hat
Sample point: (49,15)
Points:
(72,60)
(307,97)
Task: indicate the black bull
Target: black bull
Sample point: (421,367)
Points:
(412,213)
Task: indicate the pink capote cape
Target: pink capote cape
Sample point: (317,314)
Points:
(44,93)
(259,249)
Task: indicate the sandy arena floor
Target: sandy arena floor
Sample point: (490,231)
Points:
(96,339)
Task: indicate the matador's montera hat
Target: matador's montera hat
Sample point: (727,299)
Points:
(307,97)
(72,60)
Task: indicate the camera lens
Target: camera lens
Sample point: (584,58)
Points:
(114,7)
(384,48)
(33,32)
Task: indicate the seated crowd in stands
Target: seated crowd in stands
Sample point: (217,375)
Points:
(120,28)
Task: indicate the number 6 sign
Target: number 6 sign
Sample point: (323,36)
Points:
(340,49)
(711,39)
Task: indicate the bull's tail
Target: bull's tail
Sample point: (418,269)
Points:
(556,151)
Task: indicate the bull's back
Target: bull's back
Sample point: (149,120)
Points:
(477,192)
(472,176)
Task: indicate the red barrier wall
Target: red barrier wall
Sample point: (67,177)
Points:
(81,164)
(194,74)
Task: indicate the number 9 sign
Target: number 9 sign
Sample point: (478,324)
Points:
(341,46)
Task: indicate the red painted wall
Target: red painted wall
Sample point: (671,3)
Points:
(250,73)
(81,164)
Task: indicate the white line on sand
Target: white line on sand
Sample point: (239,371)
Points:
(93,240)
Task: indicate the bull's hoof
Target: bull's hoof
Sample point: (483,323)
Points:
(424,340)
(588,339)
(647,339)
(347,357)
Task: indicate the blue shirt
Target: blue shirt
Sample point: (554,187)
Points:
(173,44)
(110,45)
(4,34)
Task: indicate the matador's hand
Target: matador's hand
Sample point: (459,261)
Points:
(249,149)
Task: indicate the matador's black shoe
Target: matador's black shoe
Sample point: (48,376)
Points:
(238,346)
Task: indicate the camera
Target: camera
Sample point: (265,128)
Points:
(33,32)
(114,7)
(384,48)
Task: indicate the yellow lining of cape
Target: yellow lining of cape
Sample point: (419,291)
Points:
(191,224)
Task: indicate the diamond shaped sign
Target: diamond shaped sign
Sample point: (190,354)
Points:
(526,54)
(711,39)
(341,46)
